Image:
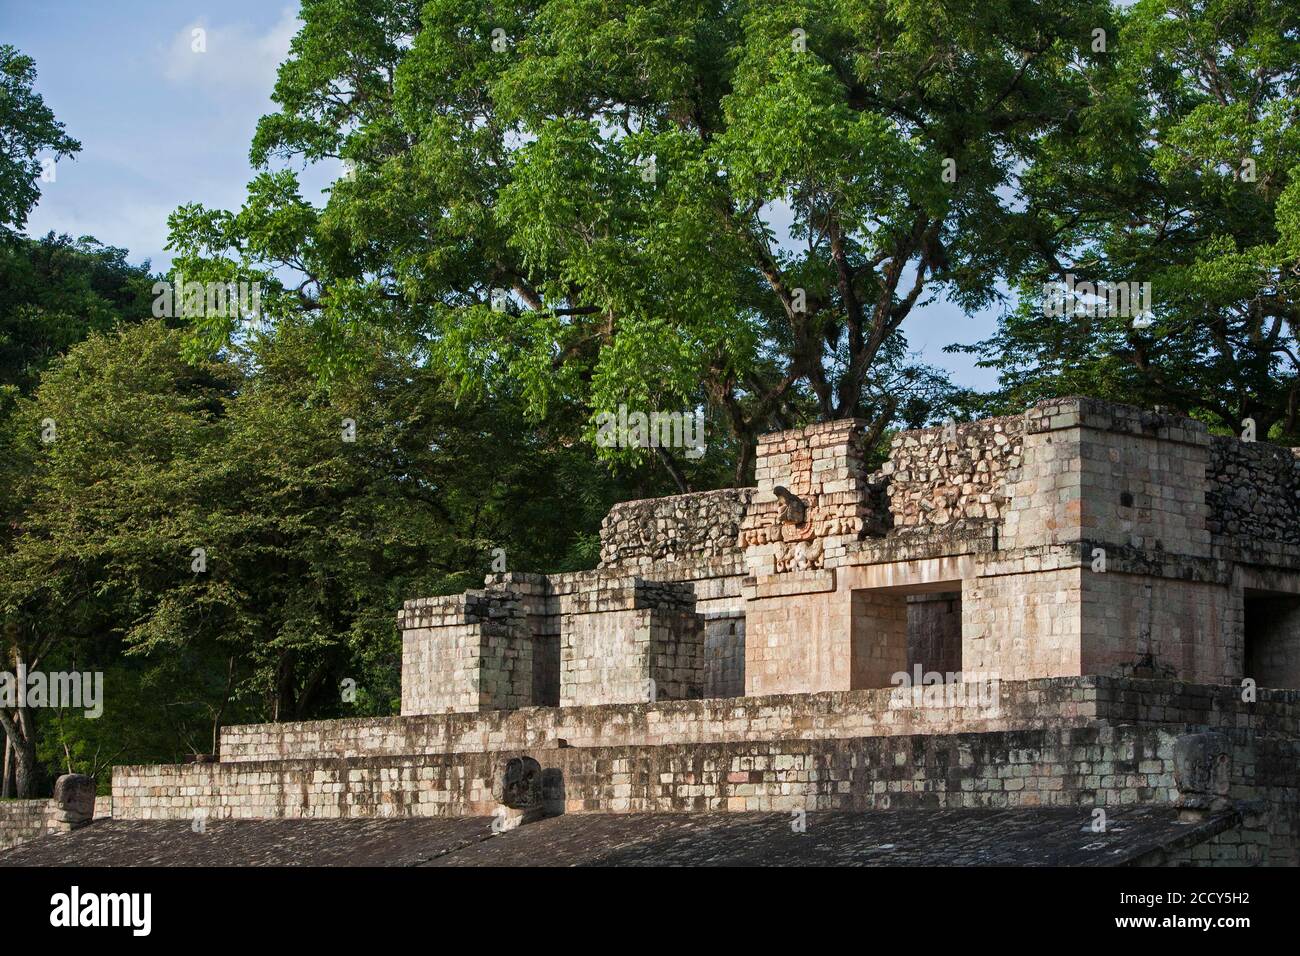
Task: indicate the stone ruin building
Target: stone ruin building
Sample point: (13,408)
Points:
(1121,586)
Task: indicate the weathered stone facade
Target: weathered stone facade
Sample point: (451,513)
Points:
(1072,591)
(940,475)
(683,528)
(628,640)
(1081,538)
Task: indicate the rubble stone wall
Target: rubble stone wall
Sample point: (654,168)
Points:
(652,533)
(1254,491)
(940,475)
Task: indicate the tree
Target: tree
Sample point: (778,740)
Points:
(102,504)
(1182,172)
(55,291)
(588,199)
(230,539)
(27,128)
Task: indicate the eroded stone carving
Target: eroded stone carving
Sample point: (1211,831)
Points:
(791,509)
(1203,773)
(518,785)
(73,804)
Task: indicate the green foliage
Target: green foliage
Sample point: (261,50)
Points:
(313,533)
(27,129)
(54,292)
(689,205)
(1180,172)
(555,207)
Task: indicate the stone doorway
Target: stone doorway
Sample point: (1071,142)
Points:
(1272,638)
(902,628)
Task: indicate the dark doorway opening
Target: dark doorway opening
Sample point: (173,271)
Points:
(934,632)
(1271,655)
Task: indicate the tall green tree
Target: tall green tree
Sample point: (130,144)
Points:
(105,503)
(1181,172)
(55,291)
(656,203)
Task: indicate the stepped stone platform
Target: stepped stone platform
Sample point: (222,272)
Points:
(1013,705)
(1078,744)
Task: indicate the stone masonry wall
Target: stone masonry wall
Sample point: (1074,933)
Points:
(813,499)
(716,584)
(1109,474)
(466,652)
(1082,766)
(1089,767)
(798,634)
(1159,627)
(1071,472)
(20,821)
(533,592)
(1254,491)
(1021,624)
(1020,705)
(640,535)
(940,475)
(624,640)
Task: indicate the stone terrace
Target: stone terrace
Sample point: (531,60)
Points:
(1021,705)
(1139,836)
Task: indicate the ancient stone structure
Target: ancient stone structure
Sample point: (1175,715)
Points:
(1084,606)
(1078,538)
(71,808)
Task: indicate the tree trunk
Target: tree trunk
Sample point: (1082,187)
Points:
(674,470)
(27,776)
(745,447)
(19,725)
(6,790)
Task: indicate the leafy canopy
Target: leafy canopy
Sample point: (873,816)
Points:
(731,205)
(1183,172)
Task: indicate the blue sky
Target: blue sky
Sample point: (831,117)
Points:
(161,125)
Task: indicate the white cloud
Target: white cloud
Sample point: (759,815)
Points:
(231,61)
